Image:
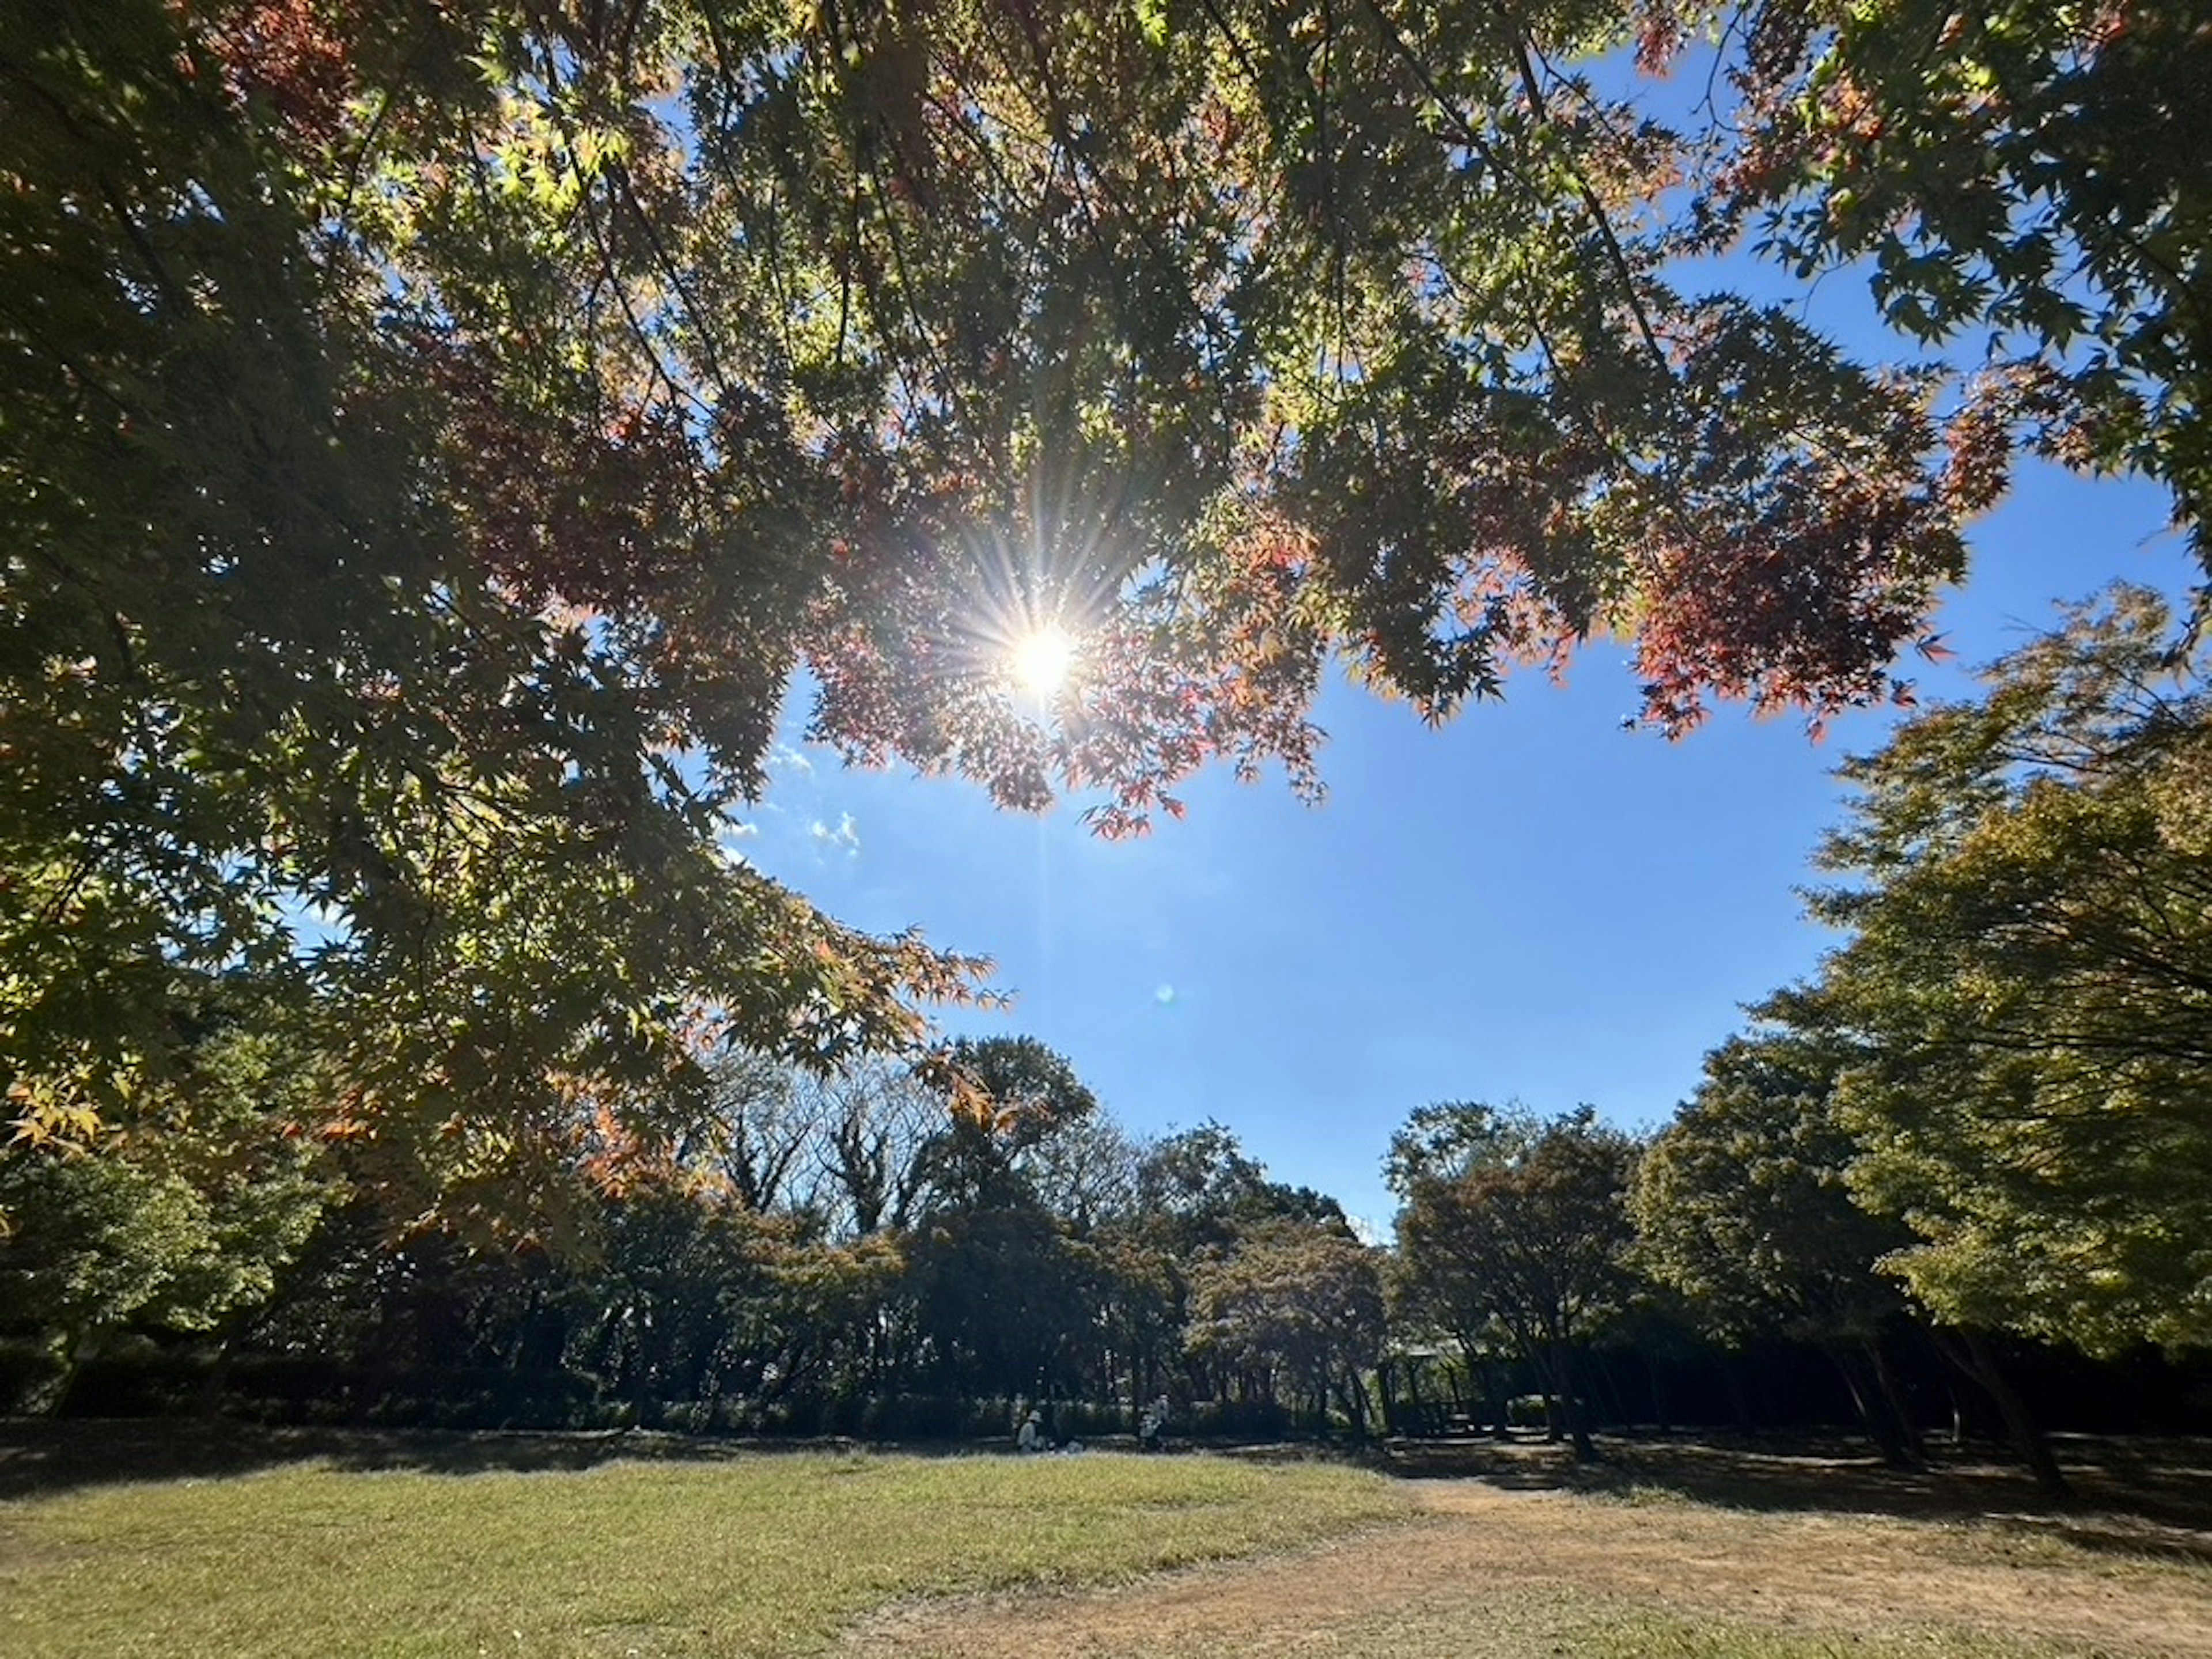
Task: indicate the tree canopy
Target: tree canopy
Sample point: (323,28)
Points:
(1740,1202)
(1299,1297)
(436,434)
(1742,1206)
(2025,987)
(1521,1222)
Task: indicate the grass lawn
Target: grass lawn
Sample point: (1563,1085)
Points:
(770,1553)
(230,1544)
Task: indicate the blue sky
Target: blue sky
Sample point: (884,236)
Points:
(1531,903)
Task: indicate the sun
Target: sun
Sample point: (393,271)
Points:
(1042,658)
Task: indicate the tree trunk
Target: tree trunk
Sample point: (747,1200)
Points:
(1970,1353)
(49,1397)
(1572,1408)
(1658,1395)
(1899,1407)
(215,1382)
(1620,1417)
(1354,1389)
(1958,1414)
(1866,1403)
(1738,1403)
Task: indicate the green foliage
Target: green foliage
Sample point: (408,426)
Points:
(1742,1202)
(184,1222)
(2024,987)
(1519,1224)
(435,435)
(1000,1289)
(1010,1097)
(1448,1138)
(1296,1299)
(1206,1187)
(1531,1222)
(2031,177)
(1743,1207)
(281,693)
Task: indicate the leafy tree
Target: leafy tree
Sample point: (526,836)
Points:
(1438,1143)
(1002,1299)
(1206,1187)
(1526,1223)
(1299,1299)
(1194,1193)
(2030,179)
(2025,980)
(1011,1095)
(657,1297)
(1741,1203)
(439,432)
(839,1317)
(183,1224)
(1446,1138)
(1002,1291)
(686,1294)
(292,683)
(1200,1177)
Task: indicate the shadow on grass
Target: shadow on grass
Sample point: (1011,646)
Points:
(41,1457)
(2136,1497)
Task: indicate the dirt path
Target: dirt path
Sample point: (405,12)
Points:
(1493,1574)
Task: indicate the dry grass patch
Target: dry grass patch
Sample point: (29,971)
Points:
(1642,1568)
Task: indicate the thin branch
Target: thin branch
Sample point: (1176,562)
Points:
(1618,255)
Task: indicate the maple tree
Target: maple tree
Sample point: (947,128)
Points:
(184,1226)
(2026,885)
(1522,1222)
(1300,1301)
(438,430)
(2028,179)
(1742,1204)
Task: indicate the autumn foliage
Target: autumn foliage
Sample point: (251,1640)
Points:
(439,430)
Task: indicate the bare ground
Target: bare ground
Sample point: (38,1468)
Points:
(1506,1560)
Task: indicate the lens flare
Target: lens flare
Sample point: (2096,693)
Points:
(1042,658)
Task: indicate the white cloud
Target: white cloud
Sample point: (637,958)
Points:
(734,831)
(847,834)
(784,757)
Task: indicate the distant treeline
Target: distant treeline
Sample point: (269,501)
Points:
(851,1257)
